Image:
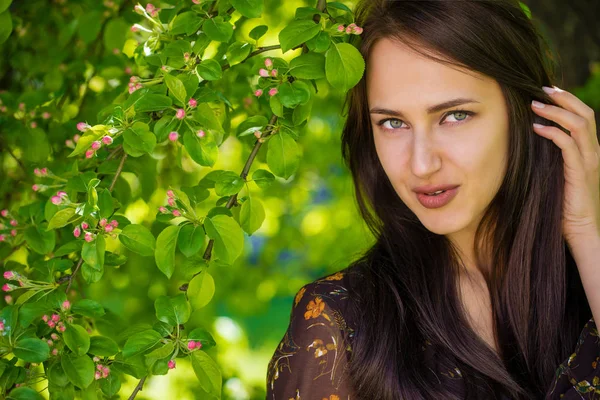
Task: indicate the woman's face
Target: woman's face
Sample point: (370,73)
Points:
(418,148)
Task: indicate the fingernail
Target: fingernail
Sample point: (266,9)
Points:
(538,125)
(538,104)
(548,90)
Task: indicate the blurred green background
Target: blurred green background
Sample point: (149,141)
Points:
(312,227)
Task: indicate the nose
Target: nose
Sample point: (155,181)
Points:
(425,158)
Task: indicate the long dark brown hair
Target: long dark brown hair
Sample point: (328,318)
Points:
(407,291)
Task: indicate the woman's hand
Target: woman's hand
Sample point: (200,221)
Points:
(581,154)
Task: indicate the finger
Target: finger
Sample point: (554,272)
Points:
(566,143)
(572,103)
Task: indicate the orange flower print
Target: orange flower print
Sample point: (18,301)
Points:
(335,277)
(314,308)
(299,296)
(332,397)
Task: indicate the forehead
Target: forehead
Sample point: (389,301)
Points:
(396,71)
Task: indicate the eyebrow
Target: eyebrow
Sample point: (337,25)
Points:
(430,110)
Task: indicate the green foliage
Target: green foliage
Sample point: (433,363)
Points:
(125,106)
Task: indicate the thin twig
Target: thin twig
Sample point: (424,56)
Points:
(138,388)
(73,274)
(112,185)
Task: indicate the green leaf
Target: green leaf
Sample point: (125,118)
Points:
(308,66)
(292,94)
(61,218)
(344,66)
(187,22)
(115,34)
(204,337)
(252,215)
(103,346)
(249,8)
(152,102)
(90,24)
(216,29)
(176,88)
(191,239)
(39,239)
(93,252)
(4,4)
(85,141)
(228,184)
(164,254)
(172,310)
(30,311)
(283,155)
(301,113)
(35,145)
(113,260)
(105,203)
(77,339)
(227,235)
(251,125)
(210,70)
(296,33)
(201,290)
(263,178)
(276,106)
(68,248)
(208,373)
(57,375)
(110,385)
(32,350)
(339,6)
(258,31)
(79,369)
(24,393)
(141,342)
(139,136)
(238,52)
(206,117)
(6,26)
(138,239)
(159,353)
(203,150)
(87,308)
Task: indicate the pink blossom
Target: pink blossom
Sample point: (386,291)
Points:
(273,91)
(61,193)
(186,56)
(99,367)
(257,134)
(4,213)
(51,324)
(37,172)
(268,62)
(44,171)
(85,225)
(258,92)
(103,221)
(134,79)
(176,213)
(127,70)
(61,327)
(171,364)
(200,133)
(348,30)
(46,115)
(162,209)
(45,318)
(173,136)
(76,232)
(8,299)
(82,126)
(114,223)
(65,305)
(170,193)
(33,124)
(35,187)
(139,9)
(56,200)
(263,72)
(1,326)
(150,7)
(14,222)
(196,1)
(133,28)
(105,372)
(88,237)
(54,336)
(21,106)
(76,137)
(192,102)
(50,342)
(90,153)
(13,232)
(97,375)
(108,228)
(55,317)
(171,202)
(191,345)
(107,140)
(274,73)
(198,344)
(96,145)
(358,30)
(352,25)
(180,114)
(69,143)
(54,351)
(2,238)
(96,359)
(9,275)
(341,28)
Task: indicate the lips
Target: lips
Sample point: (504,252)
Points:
(433,188)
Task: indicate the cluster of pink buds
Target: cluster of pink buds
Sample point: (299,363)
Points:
(13,222)
(53,338)
(59,198)
(350,29)
(54,321)
(171,364)
(172,203)
(102,371)
(40,172)
(265,73)
(108,226)
(152,10)
(194,345)
(134,84)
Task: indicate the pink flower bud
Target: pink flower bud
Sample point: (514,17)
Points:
(258,92)
(45,318)
(200,133)
(96,145)
(186,56)
(134,79)
(191,345)
(103,221)
(55,317)
(76,137)
(173,136)
(171,202)
(171,364)
(76,232)
(10,275)
(263,72)
(51,324)
(341,28)
(273,91)
(82,127)
(54,351)
(105,372)
(37,172)
(274,73)
(139,9)
(65,305)
(198,344)
(108,228)
(35,187)
(162,209)
(14,222)
(196,1)
(348,30)
(21,106)
(13,232)
(54,336)
(358,30)
(88,237)
(50,342)
(176,213)
(170,193)
(61,193)
(4,213)
(268,62)
(46,115)
(2,238)
(8,299)
(69,143)
(133,28)
(257,134)
(33,124)
(180,114)
(1,326)
(192,102)
(107,140)
(44,171)
(96,359)
(61,327)
(150,7)
(56,200)
(85,225)
(352,25)
(127,70)
(97,375)
(114,223)
(99,367)
(90,153)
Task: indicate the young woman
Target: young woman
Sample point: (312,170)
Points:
(483,281)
